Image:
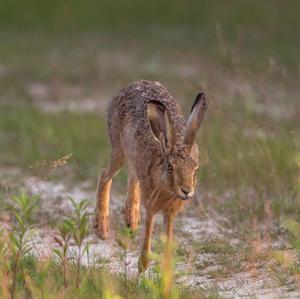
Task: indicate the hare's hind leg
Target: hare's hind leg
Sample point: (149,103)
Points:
(132,206)
(103,194)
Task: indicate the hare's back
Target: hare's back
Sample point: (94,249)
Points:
(128,124)
(130,104)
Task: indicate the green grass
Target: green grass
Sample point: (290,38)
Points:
(29,136)
(244,149)
(62,274)
(97,283)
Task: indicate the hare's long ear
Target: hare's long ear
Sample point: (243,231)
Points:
(195,119)
(160,125)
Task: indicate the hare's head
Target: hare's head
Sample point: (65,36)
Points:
(180,153)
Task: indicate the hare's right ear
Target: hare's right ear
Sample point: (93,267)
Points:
(195,119)
(160,125)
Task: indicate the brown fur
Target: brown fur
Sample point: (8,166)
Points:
(146,127)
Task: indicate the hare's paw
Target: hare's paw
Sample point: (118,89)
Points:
(132,217)
(101,228)
(143,261)
(132,223)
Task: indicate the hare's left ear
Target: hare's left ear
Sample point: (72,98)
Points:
(160,125)
(195,119)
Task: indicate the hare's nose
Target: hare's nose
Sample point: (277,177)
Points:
(186,191)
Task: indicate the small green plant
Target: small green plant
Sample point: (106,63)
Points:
(63,242)
(78,225)
(22,207)
(36,276)
(125,238)
(4,265)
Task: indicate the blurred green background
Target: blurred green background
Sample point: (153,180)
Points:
(61,62)
(263,28)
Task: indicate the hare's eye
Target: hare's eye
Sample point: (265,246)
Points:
(170,167)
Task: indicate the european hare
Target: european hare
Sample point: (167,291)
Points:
(146,127)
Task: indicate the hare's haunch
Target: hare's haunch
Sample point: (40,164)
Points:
(146,127)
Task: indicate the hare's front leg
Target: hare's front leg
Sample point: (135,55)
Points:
(132,206)
(103,195)
(144,257)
